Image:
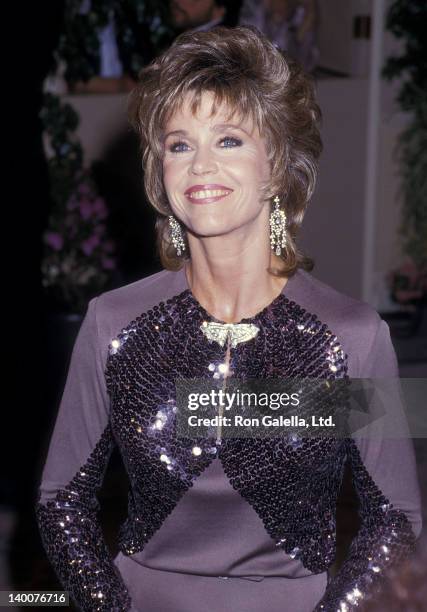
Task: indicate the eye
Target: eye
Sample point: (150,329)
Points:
(173,147)
(230,139)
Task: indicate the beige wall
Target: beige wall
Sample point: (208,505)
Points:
(333,228)
(338,49)
(388,253)
(388,248)
(102,121)
(334,42)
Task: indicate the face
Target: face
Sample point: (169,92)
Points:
(193,13)
(213,168)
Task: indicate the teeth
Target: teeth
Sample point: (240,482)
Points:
(208,193)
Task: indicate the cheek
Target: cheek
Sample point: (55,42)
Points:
(254,172)
(256,162)
(264,165)
(170,176)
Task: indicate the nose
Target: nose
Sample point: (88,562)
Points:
(203,162)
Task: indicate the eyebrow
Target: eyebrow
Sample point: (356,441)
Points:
(216,128)
(221,126)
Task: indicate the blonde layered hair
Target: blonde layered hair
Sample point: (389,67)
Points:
(247,73)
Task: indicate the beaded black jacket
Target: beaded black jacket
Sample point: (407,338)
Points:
(132,346)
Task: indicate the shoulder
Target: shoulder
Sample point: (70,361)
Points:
(355,323)
(137,295)
(328,303)
(113,310)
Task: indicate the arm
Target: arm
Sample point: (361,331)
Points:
(384,477)
(67,506)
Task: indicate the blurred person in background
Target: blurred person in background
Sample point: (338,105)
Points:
(202,15)
(291,25)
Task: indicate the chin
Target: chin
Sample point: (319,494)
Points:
(213,227)
(205,230)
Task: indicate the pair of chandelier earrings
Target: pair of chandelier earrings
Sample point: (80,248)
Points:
(277,230)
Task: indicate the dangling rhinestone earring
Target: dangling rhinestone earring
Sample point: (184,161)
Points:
(176,235)
(277,228)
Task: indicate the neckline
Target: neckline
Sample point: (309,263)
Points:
(284,294)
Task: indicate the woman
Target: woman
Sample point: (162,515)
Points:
(228,126)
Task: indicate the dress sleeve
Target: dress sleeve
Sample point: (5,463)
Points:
(67,506)
(382,462)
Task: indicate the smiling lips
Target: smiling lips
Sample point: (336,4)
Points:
(205,194)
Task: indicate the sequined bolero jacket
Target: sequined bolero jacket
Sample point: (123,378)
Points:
(133,343)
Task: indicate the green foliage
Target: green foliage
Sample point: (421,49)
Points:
(141,33)
(413,164)
(60,122)
(407,20)
(79,42)
(79,256)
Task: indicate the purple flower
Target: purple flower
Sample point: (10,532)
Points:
(90,244)
(99,208)
(84,190)
(86,209)
(54,240)
(108,263)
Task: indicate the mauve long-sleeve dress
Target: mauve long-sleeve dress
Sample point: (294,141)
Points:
(233,527)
